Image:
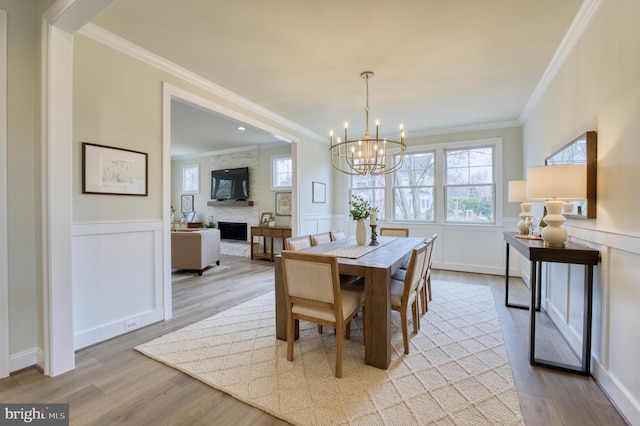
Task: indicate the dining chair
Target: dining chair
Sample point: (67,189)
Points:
(427,278)
(313,293)
(338,235)
(425,282)
(297,243)
(318,239)
(394,232)
(404,294)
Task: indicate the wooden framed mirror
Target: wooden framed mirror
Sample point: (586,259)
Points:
(581,150)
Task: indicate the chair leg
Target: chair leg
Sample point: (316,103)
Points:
(290,337)
(429,286)
(319,328)
(405,334)
(416,317)
(339,345)
(423,299)
(348,332)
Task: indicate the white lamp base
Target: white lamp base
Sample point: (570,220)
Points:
(554,235)
(526,212)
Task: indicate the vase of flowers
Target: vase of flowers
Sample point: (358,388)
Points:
(359,209)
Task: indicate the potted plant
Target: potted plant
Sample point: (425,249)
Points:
(360,209)
(173,211)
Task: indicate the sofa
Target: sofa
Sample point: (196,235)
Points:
(195,249)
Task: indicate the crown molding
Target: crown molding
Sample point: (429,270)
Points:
(215,153)
(465,129)
(580,23)
(107,38)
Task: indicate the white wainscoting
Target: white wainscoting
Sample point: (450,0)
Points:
(117,279)
(616,312)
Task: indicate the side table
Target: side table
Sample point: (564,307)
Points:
(573,253)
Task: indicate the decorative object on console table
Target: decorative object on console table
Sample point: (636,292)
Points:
(191,216)
(318,192)
(518,194)
(556,183)
(113,171)
(265,218)
(283,203)
(186,203)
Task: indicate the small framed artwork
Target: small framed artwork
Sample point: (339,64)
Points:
(114,171)
(318,192)
(186,203)
(191,179)
(190,216)
(265,218)
(283,203)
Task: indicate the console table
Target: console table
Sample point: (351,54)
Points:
(573,253)
(265,232)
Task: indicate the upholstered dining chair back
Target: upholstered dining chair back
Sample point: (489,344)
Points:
(318,239)
(297,243)
(427,279)
(338,235)
(313,293)
(394,232)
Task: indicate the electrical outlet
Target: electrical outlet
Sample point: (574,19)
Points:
(132,324)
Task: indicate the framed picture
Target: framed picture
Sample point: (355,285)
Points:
(283,203)
(186,203)
(319,192)
(115,171)
(191,178)
(264,219)
(190,216)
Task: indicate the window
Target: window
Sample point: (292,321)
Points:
(469,185)
(413,188)
(452,182)
(191,178)
(372,189)
(282,171)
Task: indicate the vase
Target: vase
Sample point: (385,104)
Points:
(361,232)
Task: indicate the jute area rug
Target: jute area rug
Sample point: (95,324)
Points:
(457,372)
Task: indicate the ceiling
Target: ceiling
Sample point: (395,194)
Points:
(438,64)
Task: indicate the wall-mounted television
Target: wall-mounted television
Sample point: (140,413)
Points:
(230,184)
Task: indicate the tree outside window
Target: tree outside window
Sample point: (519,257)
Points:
(413,188)
(282,171)
(470,185)
(371,189)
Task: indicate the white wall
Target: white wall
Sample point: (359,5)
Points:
(598,88)
(24,295)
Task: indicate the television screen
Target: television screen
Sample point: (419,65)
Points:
(230,184)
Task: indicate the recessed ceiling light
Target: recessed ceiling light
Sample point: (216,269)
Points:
(241,128)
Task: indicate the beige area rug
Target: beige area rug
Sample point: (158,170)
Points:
(457,372)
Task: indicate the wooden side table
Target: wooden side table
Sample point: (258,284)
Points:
(268,232)
(536,252)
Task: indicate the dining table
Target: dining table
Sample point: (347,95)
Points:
(376,264)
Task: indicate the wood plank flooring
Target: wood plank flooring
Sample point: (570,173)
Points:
(114,385)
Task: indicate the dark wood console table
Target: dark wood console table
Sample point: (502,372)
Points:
(265,232)
(573,253)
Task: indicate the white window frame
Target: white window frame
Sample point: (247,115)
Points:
(439,194)
(190,186)
(274,160)
(492,185)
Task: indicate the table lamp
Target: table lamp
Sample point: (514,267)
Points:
(556,184)
(518,194)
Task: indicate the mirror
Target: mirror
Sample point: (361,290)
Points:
(582,150)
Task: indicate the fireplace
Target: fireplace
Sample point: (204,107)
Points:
(233,231)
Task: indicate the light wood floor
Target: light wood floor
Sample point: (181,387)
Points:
(114,385)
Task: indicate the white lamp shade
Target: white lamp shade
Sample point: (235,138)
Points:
(518,191)
(564,182)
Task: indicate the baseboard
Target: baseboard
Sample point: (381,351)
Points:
(25,359)
(116,328)
(478,269)
(617,394)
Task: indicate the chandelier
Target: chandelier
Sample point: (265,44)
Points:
(370,155)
